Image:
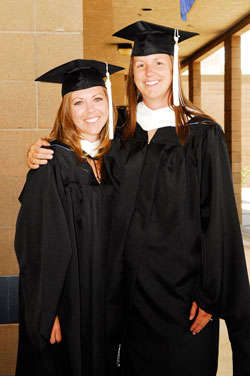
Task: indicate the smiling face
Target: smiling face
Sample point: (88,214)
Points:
(153,78)
(89,111)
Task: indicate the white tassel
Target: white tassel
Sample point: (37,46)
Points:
(176,84)
(109,91)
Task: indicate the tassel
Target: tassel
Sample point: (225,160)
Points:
(109,91)
(176,84)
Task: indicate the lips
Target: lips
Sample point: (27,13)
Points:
(92,120)
(151,83)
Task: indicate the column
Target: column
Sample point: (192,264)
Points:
(195,83)
(233,111)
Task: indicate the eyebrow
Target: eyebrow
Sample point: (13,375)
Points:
(91,97)
(76,98)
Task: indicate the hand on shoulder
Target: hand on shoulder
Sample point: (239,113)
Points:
(37,155)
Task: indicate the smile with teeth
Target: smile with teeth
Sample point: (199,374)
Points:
(151,83)
(92,120)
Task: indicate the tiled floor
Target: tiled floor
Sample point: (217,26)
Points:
(225,356)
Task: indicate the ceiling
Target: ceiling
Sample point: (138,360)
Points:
(209,18)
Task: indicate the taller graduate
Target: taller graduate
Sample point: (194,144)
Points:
(62,231)
(180,264)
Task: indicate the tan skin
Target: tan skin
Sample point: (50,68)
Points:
(153,78)
(89,111)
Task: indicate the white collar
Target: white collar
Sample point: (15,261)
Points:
(152,119)
(90,148)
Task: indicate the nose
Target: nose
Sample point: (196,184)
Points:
(148,70)
(89,107)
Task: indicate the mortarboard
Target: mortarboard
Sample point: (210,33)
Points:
(152,39)
(83,74)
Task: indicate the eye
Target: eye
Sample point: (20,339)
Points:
(159,62)
(139,65)
(98,99)
(77,103)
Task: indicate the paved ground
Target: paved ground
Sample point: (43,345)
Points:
(225,357)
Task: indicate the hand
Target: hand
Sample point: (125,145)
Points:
(201,320)
(56,335)
(37,155)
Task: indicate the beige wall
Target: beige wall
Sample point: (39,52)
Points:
(98,20)
(35,35)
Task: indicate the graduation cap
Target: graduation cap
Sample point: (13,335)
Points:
(83,74)
(151,39)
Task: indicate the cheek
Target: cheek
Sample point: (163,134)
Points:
(76,114)
(104,108)
(73,113)
(167,72)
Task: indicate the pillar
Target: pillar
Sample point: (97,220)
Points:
(194,78)
(233,111)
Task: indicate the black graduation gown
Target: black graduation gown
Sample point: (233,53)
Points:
(176,239)
(61,235)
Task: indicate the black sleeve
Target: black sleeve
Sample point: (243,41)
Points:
(224,287)
(114,162)
(43,249)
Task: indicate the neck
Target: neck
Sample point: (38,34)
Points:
(157,103)
(90,138)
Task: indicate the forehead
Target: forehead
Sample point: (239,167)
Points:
(152,57)
(90,92)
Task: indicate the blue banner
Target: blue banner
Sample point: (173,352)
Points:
(186,5)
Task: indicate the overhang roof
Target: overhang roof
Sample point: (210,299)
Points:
(209,18)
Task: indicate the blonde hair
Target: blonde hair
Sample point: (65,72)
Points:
(65,131)
(183,113)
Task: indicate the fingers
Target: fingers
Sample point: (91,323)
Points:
(56,335)
(40,153)
(37,155)
(35,163)
(201,321)
(193,311)
(39,161)
(52,338)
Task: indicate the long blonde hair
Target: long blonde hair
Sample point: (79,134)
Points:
(65,131)
(183,113)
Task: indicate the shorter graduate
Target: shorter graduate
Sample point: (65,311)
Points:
(61,232)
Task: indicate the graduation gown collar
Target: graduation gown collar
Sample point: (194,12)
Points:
(168,134)
(160,137)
